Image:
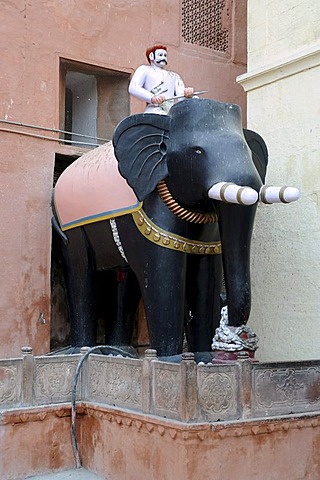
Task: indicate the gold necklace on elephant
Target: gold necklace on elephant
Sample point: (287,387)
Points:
(181,212)
(165,239)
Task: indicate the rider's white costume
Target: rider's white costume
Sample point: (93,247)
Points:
(150,80)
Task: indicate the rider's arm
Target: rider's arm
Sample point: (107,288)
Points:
(181,90)
(136,86)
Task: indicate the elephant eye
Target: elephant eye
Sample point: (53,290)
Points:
(163,148)
(198,150)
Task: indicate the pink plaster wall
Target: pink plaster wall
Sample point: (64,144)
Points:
(35,35)
(123,445)
(35,441)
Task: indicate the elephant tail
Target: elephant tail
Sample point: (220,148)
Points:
(57,228)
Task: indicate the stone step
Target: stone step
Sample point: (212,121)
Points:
(75,474)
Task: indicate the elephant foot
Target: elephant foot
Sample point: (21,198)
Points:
(171,358)
(118,351)
(69,350)
(204,357)
(199,357)
(209,358)
(121,351)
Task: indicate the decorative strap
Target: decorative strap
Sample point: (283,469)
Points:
(169,240)
(116,238)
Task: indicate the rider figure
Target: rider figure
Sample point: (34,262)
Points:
(153,84)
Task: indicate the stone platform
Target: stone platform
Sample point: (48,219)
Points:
(147,419)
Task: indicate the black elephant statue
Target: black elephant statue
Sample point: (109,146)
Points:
(181,212)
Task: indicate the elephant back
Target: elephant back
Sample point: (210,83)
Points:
(91,189)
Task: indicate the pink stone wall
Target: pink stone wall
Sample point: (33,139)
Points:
(35,441)
(35,35)
(123,445)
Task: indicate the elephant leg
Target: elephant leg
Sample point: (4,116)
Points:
(204,283)
(128,296)
(79,281)
(162,283)
(236,225)
(164,308)
(105,289)
(161,275)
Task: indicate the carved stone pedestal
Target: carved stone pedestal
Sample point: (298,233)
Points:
(119,444)
(151,420)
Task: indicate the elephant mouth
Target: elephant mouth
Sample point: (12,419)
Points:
(186,214)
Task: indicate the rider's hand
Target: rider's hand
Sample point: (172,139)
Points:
(188,92)
(158,99)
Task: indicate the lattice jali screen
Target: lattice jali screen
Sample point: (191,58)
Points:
(207,23)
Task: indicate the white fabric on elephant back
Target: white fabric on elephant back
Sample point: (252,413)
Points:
(81,195)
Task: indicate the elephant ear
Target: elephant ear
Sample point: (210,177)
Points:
(259,151)
(140,145)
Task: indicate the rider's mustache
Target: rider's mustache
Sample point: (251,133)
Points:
(162,60)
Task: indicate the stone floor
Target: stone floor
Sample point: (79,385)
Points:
(76,474)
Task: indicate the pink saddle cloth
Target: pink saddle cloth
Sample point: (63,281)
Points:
(91,189)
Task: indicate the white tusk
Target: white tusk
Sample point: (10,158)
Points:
(232,193)
(271,194)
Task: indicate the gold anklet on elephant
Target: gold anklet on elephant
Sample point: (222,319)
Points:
(169,240)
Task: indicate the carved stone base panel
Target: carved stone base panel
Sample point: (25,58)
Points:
(218,393)
(166,389)
(115,381)
(280,389)
(183,391)
(53,378)
(11,383)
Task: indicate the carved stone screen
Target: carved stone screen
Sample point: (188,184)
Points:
(207,23)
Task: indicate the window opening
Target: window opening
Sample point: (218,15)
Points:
(93,101)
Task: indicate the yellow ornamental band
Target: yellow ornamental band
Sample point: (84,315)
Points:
(169,240)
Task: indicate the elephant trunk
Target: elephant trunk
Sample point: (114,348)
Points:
(235,225)
(236,208)
(232,193)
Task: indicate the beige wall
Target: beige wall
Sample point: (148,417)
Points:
(35,35)
(283,106)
